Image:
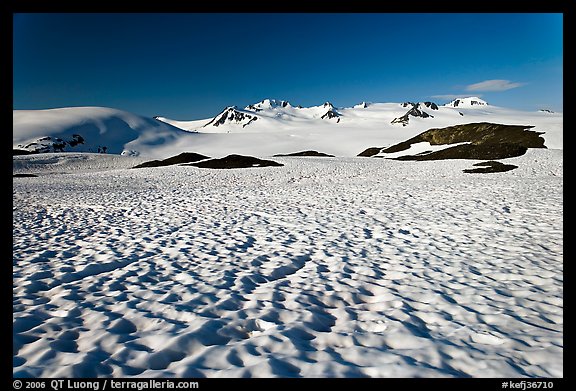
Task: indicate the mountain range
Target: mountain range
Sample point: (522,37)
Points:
(264,128)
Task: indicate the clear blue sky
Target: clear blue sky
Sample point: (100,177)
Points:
(190,66)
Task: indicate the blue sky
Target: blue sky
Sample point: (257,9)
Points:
(190,66)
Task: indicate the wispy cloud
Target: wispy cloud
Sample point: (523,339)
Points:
(494,85)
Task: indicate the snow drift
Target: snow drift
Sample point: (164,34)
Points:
(324,267)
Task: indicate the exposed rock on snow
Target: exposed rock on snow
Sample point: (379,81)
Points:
(49,144)
(185,157)
(485,141)
(431,105)
(331,114)
(306,153)
(427,104)
(18,151)
(235,161)
(414,111)
(470,151)
(476,141)
(490,166)
(472,101)
(368,152)
(268,104)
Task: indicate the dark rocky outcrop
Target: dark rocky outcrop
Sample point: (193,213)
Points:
(330,114)
(427,104)
(16,151)
(235,161)
(370,151)
(490,166)
(456,103)
(24,175)
(305,153)
(185,157)
(472,151)
(76,139)
(486,141)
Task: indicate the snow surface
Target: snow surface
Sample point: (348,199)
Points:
(279,129)
(325,267)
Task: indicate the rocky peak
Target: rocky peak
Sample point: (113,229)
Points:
(415,111)
(331,114)
(232,115)
(430,105)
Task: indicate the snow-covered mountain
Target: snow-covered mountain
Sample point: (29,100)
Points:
(282,110)
(264,128)
(274,126)
(232,119)
(268,104)
(361,105)
(89,129)
(267,115)
(231,115)
(472,101)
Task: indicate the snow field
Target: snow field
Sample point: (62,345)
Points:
(326,267)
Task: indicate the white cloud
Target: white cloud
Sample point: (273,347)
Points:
(493,85)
